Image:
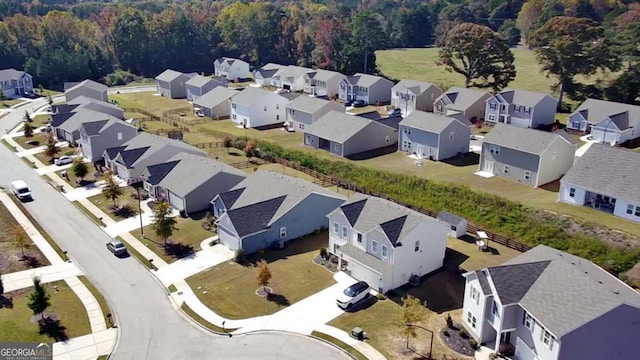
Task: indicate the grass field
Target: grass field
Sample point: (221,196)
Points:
(419,64)
(148,101)
(11,252)
(470,258)
(106,205)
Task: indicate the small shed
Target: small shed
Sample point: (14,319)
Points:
(457,224)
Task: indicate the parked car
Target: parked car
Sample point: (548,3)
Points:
(394,112)
(63,160)
(348,103)
(116,247)
(353,294)
(359,103)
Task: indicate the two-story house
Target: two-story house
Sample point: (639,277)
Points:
(231,69)
(173,84)
(521,108)
(15,83)
(87,88)
(256,107)
(529,156)
(84,102)
(66,126)
(434,137)
(383,243)
(469,103)
(268,209)
(305,110)
(321,82)
(264,75)
(97,136)
(409,95)
(608,122)
(546,304)
(290,78)
(200,85)
(368,88)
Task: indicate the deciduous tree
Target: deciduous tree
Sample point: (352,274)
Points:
(163,223)
(111,190)
(264,273)
(79,168)
(38,299)
(51,150)
(412,312)
(480,55)
(20,237)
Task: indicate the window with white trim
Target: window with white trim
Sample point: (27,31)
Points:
(283,232)
(504,107)
(407,130)
(344,231)
(630,209)
(492,106)
(527,175)
(572,192)
(475,294)
(336,227)
(491,117)
(494,149)
(416,247)
(637,213)
(471,319)
(451,135)
(359,238)
(527,321)
(527,110)
(494,309)
(506,169)
(385,250)
(336,147)
(374,247)
(547,339)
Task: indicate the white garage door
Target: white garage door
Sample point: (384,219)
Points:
(362,273)
(228,240)
(523,352)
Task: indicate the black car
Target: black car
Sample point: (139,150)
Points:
(348,103)
(359,103)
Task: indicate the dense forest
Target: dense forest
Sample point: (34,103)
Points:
(69,40)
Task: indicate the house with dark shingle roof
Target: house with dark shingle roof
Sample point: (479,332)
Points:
(409,95)
(434,137)
(87,88)
(529,156)
(173,84)
(608,122)
(84,102)
(550,305)
(369,88)
(66,126)
(605,178)
(15,83)
(96,136)
(188,182)
(322,82)
(264,75)
(215,103)
(200,85)
(469,103)
(521,108)
(231,69)
(305,110)
(269,209)
(290,78)
(383,243)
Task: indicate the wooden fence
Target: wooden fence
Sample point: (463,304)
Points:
(213,144)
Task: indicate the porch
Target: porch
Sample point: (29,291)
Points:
(599,202)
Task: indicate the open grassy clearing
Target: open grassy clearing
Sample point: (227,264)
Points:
(148,101)
(11,259)
(466,254)
(64,150)
(38,139)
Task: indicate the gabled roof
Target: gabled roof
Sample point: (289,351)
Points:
(365,80)
(169,75)
(74,120)
(291,73)
(594,110)
(200,81)
(484,283)
(83,101)
(94,127)
(382,267)
(608,170)
(11,74)
(526,140)
(338,126)
(151,143)
(450,218)
(462,98)
(620,122)
(322,75)
(157,172)
(390,121)
(249,96)
(414,87)
(89,84)
(63,108)
(366,213)
(229,61)
(112,152)
(257,217)
(523,97)
(269,70)
(229,198)
(215,96)
(128,157)
(561,291)
(308,104)
(59,119)
(430,122)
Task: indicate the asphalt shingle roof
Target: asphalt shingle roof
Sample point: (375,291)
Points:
(322,75)
(595,110)
(10,74)
(249,96)
(155,143)
(169,75)
(63,108)
(94,127)
(413,86)
(256,217)
(200,81)
(526,140)
(291,73)
(429,122)
(76,119)
(229,198)
(337,126)
(513,281)
(462,98)
(308,104)
(367,259)
(522,97)
(114,151)
(365,80)
(130,156)
(450,218)
(89,84)
(215,97)
(157,172)
(59,119)
(484,283)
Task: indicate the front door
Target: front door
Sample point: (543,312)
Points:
(420,150)
(488,167)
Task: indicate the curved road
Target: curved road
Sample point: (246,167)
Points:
(150,328)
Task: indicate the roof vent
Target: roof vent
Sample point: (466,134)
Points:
(572,263)
(586,272)
(616,292)
(599,282)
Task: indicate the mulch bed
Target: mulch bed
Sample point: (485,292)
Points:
(456,342)
(35,319)
(264,291)
(330,263)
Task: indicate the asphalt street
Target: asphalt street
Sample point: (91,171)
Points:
(150,328)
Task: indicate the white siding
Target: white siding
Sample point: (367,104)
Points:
(621,208)
(475,307)
(564,194)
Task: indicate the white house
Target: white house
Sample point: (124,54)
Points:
(290,78)
(264,75)
(232,69)
(469,103)
(608,122)
(383,243)
(321,82)
(368,88)
(409,95)
(255,107)
(521,108)
(605,178)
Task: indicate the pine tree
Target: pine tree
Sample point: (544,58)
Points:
(38,299)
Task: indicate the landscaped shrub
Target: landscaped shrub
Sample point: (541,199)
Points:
(449,321)
(119,77)
(446,333)
(380,296)
(240,258)
(323,253)
(463,333)
(473,343)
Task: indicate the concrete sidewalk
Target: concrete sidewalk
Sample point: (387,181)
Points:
(87,347)
(365,349)
(24,279)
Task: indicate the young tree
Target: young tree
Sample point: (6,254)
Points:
(227,143)
(412,312)
(249,149)
(51,150)
(28,130)
(79,168)
(567,47)
(111,190)
(163,223)
(27,117)
(38,299)
(479,54)
(264,273)
(20,237)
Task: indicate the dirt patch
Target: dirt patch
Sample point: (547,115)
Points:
(633,276)
(36,319)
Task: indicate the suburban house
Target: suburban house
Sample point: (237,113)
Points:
(87,88)
(608,122)
(129,160)
(255,107)
(321,82)
(305,110)
(521,108)
(108,108)
(469,103)
(215,103)
(409,95)
(66,126)
(250,218)
(369,88)
(200,85)
(343,135)
(97,136)
(264,75)
(546,304)
(231,69)
(530,156)
(605,178)
(173,84)
(434,137)
(188,182)
(383,243)
(15,83)
(290,78)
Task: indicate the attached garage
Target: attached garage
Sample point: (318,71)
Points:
(365,267)
(523,352)
(229,240)
(362,273)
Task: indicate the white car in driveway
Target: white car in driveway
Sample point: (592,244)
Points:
(353,295)
(63,160)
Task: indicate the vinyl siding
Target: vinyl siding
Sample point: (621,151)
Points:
(372,136)
(556,161)
(518,163)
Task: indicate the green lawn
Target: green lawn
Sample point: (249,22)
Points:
(9,103)
(11,251)
(16,324)
(101,301)
(106,205)
(148,101)
(186,239)
(200,320)
(136,254)
(230,287)
(350,350)
(71,178)
(40,120)
(88,213)
(39,137)
(470,258)
(63,151)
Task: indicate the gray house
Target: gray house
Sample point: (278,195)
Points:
(108,108)
(409,95)
(251,218)
(15,83)
(343,135)
(215,103)
(608,122)
(550,305)
(305,110)
(97,136)
(369,88)
(188,182)
(521,108)
(469,103)
(87,88)
(67,126)
(173,84)
(434,137)
(264,75)
(529,156)
(321,82)
(200,85)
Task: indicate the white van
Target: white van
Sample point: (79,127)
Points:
(20,190)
